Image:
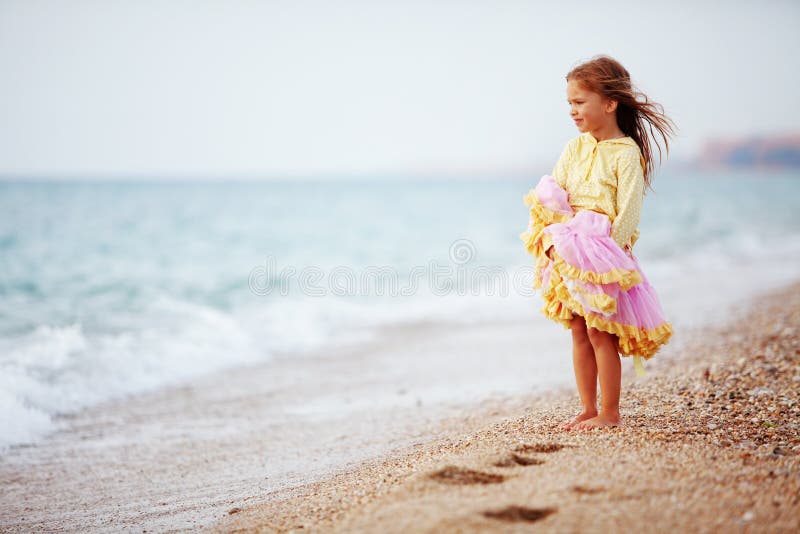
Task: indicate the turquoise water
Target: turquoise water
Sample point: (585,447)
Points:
(114,288)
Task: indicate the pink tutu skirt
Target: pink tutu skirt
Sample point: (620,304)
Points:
(591,275)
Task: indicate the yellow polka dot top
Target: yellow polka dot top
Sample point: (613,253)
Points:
(605,176)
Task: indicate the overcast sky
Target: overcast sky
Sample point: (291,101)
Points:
(196,88)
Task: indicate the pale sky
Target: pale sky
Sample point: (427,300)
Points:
(191,88)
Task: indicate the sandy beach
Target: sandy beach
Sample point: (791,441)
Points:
(269,267)
(710,442)
(180,458)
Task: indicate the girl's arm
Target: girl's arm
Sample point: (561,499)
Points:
(630,190)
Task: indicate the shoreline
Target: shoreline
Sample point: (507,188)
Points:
(257,448)
(177,459)
(707,443)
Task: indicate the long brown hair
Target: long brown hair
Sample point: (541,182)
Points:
(637,115)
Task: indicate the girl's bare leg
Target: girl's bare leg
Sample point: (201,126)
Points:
(583,360)
(610,371)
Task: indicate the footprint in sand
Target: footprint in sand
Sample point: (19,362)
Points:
(516,457)
(460,475)
(519,513)
(587,490)
(540,447)
(452,474)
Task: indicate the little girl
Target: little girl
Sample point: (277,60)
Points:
(583,225)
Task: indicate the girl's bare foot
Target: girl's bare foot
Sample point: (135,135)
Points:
(601,421)
(583,416)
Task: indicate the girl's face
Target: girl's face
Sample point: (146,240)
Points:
(589,110)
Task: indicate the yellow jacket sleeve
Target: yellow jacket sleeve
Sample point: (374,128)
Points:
(630,194)
(561,167)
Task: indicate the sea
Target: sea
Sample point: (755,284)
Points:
(109,288)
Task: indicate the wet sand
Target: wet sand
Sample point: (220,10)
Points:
(179,458)
(709,442)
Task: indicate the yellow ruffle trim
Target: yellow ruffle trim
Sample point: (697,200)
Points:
(541,212)
(541,217)
(633,340)
(561,307)
(600,302)
(624,277)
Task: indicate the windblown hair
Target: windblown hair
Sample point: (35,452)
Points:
(637,115)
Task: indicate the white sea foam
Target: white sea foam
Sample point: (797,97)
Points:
(87,317)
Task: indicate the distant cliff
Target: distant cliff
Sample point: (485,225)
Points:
(769,151)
